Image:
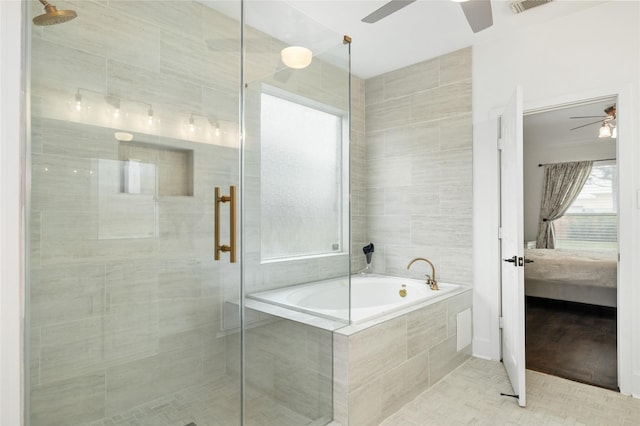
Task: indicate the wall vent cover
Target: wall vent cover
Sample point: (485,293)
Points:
(523,5)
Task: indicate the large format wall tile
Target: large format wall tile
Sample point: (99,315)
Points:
(376,350)
(379,369)
(414,78)
(72,401)
(125,298)
(419,166)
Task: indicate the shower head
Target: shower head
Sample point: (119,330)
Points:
(53,16)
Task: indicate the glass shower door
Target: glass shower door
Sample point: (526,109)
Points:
(296,212)
(133,124)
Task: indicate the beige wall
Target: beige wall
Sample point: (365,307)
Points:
(418,168)
(124,293)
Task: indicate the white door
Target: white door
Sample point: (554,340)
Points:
(512,244)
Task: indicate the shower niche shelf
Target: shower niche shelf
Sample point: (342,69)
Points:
(155,169)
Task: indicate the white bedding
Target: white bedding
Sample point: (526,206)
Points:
(597,269)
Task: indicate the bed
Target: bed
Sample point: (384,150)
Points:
(576,276)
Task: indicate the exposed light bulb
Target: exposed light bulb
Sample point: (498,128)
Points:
(78,101)
(217,130)
(192,125)
(605,131)
(296,57)
(116,111)
(150,117)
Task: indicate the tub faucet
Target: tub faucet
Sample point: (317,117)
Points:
(431,279)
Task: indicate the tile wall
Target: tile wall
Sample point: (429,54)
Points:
(380,369)
(124,294)
(418,168)
(125,298)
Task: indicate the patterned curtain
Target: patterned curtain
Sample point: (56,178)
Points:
(562,184)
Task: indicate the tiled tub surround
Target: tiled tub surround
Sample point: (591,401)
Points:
(289,363)
(418,167)
(379,367)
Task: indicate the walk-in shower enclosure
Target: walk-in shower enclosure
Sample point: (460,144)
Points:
(137,111)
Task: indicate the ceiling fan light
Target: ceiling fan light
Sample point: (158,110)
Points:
(605,131)
(296,57)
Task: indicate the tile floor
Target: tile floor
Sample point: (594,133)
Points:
(470,395)
(212,404)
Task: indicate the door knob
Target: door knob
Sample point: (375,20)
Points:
(513,260)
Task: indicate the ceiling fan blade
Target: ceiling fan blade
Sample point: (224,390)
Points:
(478,14)
(386,10)
(585,125)
(591,116)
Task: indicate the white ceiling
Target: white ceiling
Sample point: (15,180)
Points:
(422,30)
(554,127)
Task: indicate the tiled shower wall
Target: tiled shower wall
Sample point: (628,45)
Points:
(418,168)
(124,296)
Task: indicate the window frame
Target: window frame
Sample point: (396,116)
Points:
(344,172)
(615,195)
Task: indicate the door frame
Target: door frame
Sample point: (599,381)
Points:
(614,98)
(627,321)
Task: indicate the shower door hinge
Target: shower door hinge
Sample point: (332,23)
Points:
(500,144)
(500,233)
(501,322)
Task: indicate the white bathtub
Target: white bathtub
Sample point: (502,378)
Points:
(371,296)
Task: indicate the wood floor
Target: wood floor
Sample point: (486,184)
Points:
(572,340)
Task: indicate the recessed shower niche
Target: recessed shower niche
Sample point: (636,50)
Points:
(164,170)
(130,187)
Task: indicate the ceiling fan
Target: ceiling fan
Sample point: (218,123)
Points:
(477,12)
(607,121)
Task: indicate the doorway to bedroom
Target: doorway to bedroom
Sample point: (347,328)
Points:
(571,234)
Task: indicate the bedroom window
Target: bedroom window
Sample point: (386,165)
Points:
(303,177)
(591,222)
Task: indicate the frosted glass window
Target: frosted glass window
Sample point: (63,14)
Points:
(301,179)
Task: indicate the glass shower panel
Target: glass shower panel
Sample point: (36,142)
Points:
(295,216)
(133,123)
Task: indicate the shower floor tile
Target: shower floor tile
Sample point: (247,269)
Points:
(212,404)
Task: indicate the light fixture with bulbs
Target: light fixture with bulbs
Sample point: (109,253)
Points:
(296,57)
(78,101)
(115,103)
(605,131)
(608,125)
(117,108)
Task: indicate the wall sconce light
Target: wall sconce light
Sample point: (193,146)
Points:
(78,101)
(115,103)
(150,116)
(296,57)
(215,124)
(192,124)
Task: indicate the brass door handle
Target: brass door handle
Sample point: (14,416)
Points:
(231,248)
